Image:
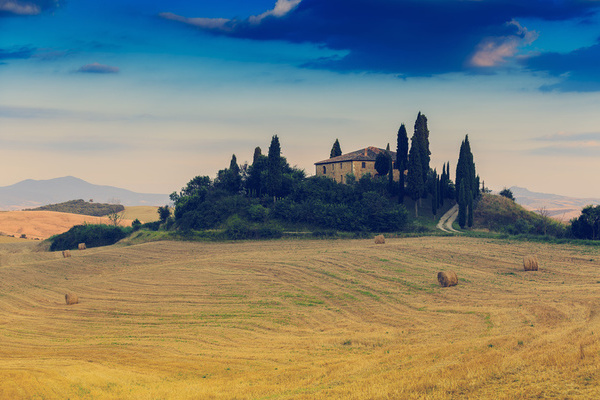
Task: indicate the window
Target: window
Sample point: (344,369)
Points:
(333,167)
(364,164)
(324,169)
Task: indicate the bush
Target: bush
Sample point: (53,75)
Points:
(258,213)
(237,228)
(91,235)
(136,225)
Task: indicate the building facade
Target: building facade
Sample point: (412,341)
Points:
(357,163)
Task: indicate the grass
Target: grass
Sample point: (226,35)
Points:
(301,319)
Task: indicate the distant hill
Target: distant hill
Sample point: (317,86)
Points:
(559,207)
(81,207)
(497,213)
(35,193)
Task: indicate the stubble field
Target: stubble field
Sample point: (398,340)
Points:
(300,320)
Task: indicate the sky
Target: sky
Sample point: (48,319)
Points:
(145,95)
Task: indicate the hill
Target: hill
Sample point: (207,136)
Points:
(43,224)
(34,193)
(497,213)
(340,319)
(563,208)
(81,207)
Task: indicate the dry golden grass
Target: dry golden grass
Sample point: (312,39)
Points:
(301,320)
(43,224)
(143,213)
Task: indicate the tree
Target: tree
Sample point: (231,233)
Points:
(587,226)
(163,213)
(434,193)
(257,154)
(336,150)
(275,172)
(382,164)
(462,205)
(422,136)
(402,159)
(507,193)
(414,180)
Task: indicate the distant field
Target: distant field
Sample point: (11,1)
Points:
(143,213)
(43,224)
(286,319)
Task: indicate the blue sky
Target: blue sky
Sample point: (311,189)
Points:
(147,94)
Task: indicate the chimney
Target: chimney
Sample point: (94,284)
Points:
(365,151)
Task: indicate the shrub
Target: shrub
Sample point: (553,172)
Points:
(136,225)
(91,235)
(258,213)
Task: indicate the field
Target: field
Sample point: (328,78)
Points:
(143,213)
(300,319)
(43,224)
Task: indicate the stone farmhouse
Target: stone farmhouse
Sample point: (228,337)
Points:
(357,163)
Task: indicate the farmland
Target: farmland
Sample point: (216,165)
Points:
(300,319)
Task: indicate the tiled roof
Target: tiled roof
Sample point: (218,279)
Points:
(367,154)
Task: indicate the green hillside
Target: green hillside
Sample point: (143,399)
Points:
(500,214)
(81,207)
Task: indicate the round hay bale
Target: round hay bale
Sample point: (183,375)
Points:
(71,298)
(448,278)
(379,239)
(66,253)
(530,263)
(81,246)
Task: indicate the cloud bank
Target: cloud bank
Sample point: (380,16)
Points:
(413,37)
(28,7)
(97,68)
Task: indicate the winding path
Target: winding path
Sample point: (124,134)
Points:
(447,219)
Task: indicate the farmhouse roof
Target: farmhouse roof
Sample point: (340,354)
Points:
(366,154)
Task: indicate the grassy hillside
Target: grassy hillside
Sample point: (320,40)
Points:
(143,213)
(301,320)
(81,207)
(497,213)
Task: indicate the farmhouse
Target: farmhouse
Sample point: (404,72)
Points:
(357,163)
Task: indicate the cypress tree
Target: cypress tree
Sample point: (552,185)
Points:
(434,194)
(422,135)
(336,150)
(470,209)
(414,180)
(402,159)
(257,154)
(462,205)
(275,172)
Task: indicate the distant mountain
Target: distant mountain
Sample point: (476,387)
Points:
(33,193)
(559,207)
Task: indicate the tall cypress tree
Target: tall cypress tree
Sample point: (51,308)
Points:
(414,180)
(402,159)
(336,150)
(466,182)
(422,135)
(257,154)
(435,193)
(275,172)
(462,205)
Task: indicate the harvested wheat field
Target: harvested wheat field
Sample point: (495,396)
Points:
(43,224)
(143,213)
(344,319)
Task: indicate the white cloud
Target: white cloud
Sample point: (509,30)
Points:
(19,7)
(494,51)
(206,23)
(282,8)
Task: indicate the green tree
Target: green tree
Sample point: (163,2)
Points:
(257,154)
(462,205)
(401,159)
(435,193)
(275,170)
(163,213)
(382,163)
(422,135)
(414,180)
(336,150)
(507,193)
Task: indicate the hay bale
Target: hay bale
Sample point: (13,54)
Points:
(66,253)
(71,298)
(379,239)
(448,278)
(81,246)
(530,263)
